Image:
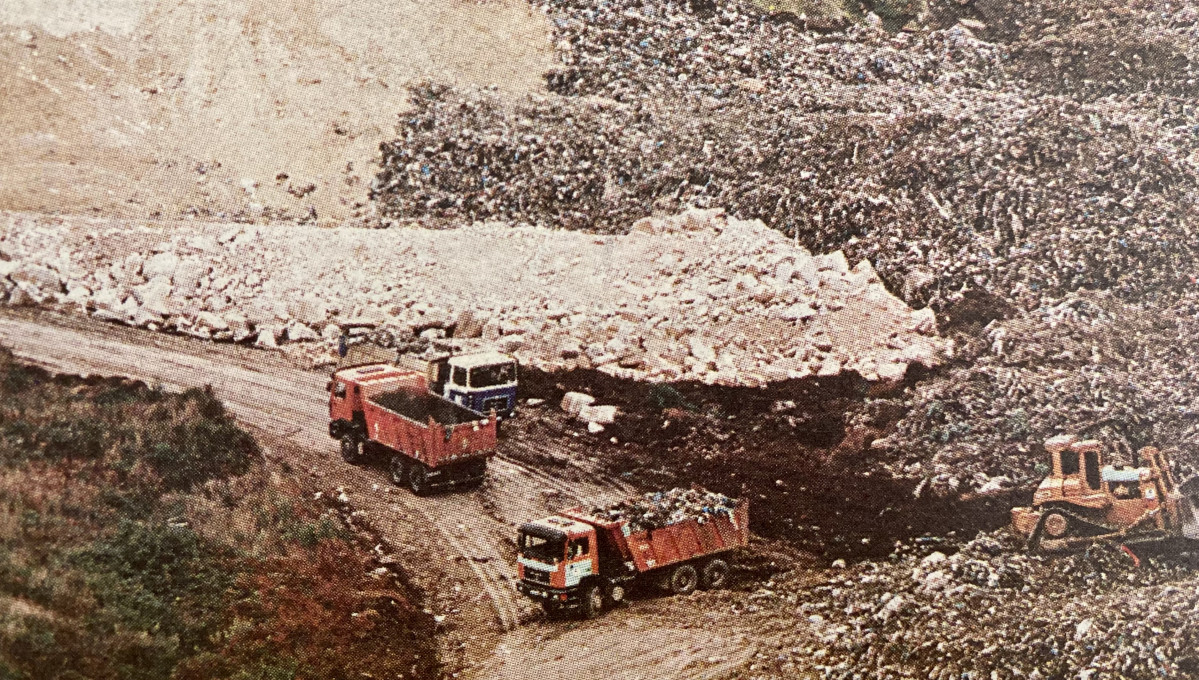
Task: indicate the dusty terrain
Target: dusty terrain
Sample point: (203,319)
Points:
(463,540)
(1036,192)
(231,107)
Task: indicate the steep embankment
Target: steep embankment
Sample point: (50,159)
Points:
(231,108)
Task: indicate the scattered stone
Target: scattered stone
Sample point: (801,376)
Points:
(573,402)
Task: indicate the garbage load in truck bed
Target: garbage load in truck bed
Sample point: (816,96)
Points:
(431,442)
(580,559)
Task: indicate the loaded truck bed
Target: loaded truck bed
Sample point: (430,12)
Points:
(423,406)
(430,443)
(581,559)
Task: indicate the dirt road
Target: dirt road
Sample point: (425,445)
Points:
(464,563)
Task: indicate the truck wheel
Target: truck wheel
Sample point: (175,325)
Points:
(714,575)
(418,481)
(398,467)
(683,579)
(615,594)
(351,449)
(593,602)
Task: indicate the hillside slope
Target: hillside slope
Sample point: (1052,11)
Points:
(230,107)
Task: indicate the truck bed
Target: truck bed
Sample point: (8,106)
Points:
(422,406)
(679,541)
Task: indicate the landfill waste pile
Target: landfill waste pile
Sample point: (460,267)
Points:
(945,159)
(663,508)
(1091,365)
(1027,169)
(687,297)
(991,606)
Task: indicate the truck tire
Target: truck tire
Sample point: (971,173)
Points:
(593,601)
(714,574)
(615,594)
(351,448)
(398,468)
(418,479)
(683,580)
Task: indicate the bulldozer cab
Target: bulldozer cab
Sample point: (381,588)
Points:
(1077,467)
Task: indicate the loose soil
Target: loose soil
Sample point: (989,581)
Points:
(144,108)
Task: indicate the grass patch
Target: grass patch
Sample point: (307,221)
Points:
(142,538)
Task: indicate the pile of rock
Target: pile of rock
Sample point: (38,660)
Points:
(695,297)
(583,408)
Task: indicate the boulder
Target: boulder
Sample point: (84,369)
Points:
(108,299)
(154,294)
(468,325)
(924,321)
(44,278)
(796,312)
(162,264)
(309,310)
(189,273)
(143,317)
(298,332)
(266,339)
(20,297)
(212,321)
(604,415)
(510,345)
(239,325)
(79,295)
(573,402)
(701,349)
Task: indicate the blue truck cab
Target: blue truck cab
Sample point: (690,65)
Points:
(479,381)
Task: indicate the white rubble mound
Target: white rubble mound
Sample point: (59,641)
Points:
(698,296)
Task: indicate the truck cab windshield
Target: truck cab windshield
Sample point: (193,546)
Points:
(494,375)
(540,549)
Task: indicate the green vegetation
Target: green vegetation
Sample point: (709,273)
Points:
(142,537)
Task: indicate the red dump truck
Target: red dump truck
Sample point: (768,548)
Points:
(583,560)
(431,443)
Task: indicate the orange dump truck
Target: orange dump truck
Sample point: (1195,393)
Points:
(583,560)
(431,443)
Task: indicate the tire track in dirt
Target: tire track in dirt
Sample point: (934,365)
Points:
(484,638)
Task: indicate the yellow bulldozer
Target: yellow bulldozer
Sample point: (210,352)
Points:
(1086,499)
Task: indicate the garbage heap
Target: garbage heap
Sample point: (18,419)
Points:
(991,605)
(663,508)
(944,158)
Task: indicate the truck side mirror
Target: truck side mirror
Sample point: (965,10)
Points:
(329,386)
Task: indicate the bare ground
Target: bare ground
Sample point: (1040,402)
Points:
(458,547)
(142,108)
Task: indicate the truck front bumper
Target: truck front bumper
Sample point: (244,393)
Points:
(554,597)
